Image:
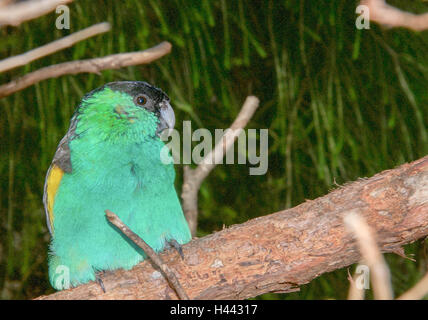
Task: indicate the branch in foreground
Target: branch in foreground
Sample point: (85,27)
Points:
(193,178)
(372,256)
(387,15)
(114,61)
(4,3)
(15,14)
(169,274)
(281,251)
(419,291)
(57,45)
(354,292)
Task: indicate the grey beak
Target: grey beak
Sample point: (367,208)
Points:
(167,117)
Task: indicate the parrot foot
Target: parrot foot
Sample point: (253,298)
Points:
(174,244)
(100,281)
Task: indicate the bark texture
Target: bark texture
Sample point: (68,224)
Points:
(281,251)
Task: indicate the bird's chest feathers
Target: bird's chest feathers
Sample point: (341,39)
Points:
(132,168)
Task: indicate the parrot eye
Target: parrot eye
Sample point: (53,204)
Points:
(140,100)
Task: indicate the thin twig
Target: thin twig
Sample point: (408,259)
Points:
(354,292)
(419,291)
(95,65)
(168,273)
(387,15)
(370,251)
(15,14)
(193,178)
(52,47)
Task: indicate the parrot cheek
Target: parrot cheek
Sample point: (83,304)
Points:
(122,113)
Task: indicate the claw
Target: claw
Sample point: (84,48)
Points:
(173,243)
(100,282)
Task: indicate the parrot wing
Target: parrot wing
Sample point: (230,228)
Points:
(61,164)
(53,179)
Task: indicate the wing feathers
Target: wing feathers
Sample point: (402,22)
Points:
(53,179)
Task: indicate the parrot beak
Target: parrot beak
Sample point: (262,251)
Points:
(167,117)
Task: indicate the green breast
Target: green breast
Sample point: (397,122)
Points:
(128,179)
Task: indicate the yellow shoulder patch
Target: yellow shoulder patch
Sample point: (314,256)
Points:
(54,179)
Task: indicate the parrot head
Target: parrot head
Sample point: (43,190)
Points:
(124,109)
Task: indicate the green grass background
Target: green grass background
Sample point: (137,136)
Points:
(339,103)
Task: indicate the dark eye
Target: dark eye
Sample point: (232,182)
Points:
(141,100)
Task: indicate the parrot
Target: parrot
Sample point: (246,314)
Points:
(110,159)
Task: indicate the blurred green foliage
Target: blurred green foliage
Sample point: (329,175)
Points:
(339,103)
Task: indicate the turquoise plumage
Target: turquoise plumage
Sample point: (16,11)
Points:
(110,159)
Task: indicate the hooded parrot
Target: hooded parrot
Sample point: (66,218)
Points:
(110,158)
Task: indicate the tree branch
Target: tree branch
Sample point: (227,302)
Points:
(57,45)
(15,14)
(390,16)
(281,251)
(193,178)
(114,61)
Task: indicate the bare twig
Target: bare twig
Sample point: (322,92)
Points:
(194,177)
(354,292)
(95,65)
(52,47)
(419,291)
(387,15)
(15,14)
(370,251)
(168,273)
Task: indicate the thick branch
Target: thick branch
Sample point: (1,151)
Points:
(387,15)
(193,178)
(114,61)
(57,45)
(15,14)
(281,251)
